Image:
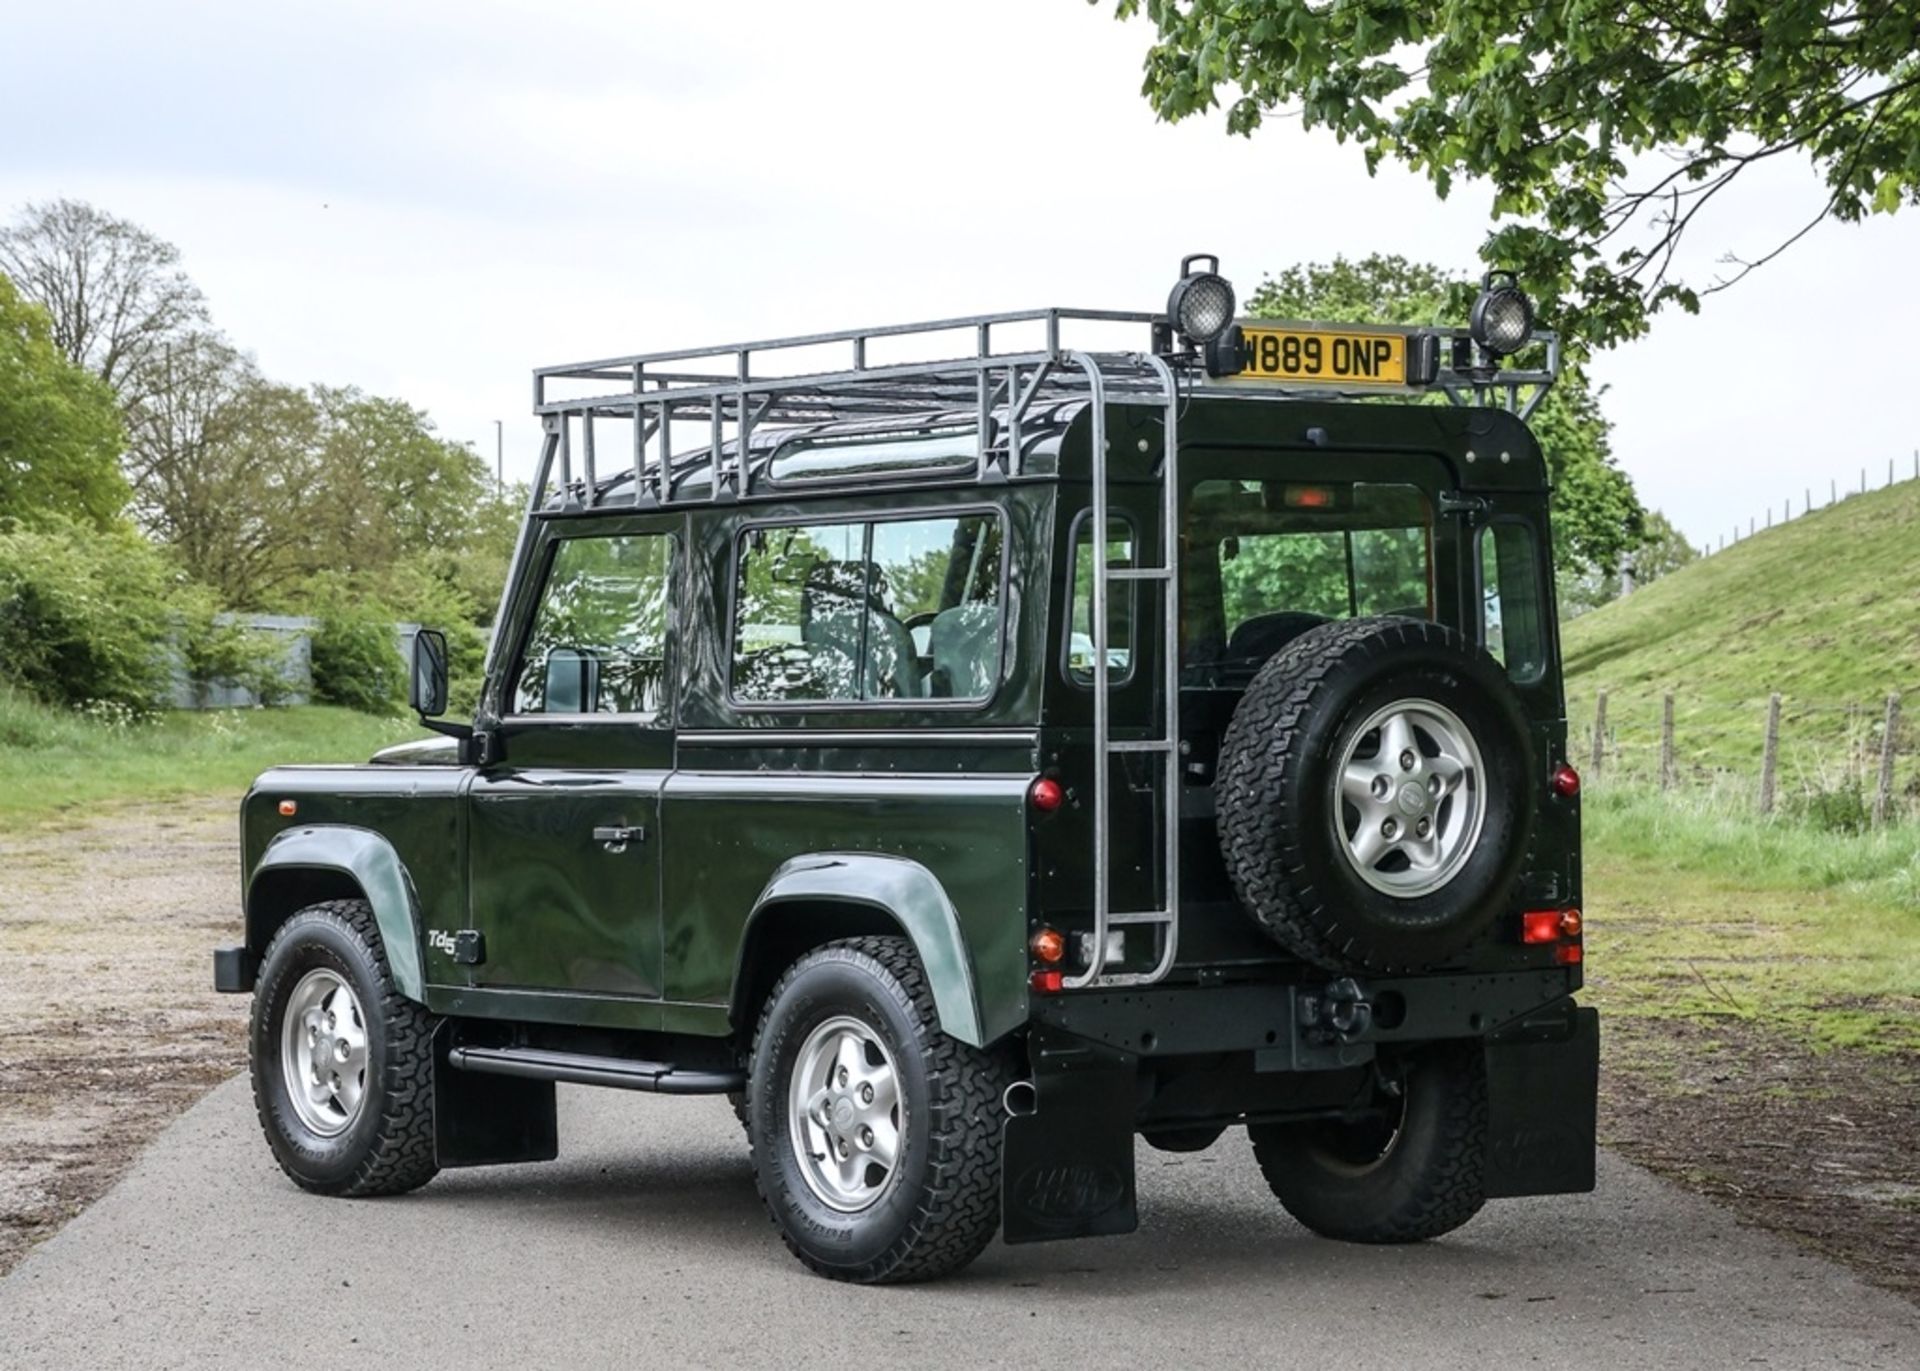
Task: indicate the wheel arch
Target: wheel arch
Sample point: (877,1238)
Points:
(827,896)
(304,866)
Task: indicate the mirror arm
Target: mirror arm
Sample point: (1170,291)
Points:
(447,728)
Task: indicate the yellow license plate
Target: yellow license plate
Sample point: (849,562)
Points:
(1368,359)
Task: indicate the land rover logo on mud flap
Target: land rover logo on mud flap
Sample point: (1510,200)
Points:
(440,940)
(1065,1196)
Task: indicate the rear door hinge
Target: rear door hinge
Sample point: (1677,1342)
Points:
(1473,508)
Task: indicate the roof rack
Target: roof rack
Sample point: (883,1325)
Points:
(1007,364)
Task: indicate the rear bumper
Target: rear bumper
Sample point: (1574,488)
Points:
(234,970)
(1323,1027)
(1208,1058)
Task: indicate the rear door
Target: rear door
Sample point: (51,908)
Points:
(565,844)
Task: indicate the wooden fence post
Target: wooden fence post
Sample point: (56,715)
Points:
(1883,794)
(1770,755)
(1599,732)
(1666,742)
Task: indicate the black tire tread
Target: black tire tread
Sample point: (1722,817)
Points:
(402,1157)
(958,1213)
(1450,1185)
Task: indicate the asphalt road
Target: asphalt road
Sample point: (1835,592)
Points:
(645,1246)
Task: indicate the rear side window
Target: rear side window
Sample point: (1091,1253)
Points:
(1121,603)
(869,612)
(1513,610)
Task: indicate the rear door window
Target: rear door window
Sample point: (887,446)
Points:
(1512,606)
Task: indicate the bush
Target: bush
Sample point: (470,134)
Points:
(1837,809)
(229,654)
(85,614)
(356,661)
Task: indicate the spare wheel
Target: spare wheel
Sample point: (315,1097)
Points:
(1374,794)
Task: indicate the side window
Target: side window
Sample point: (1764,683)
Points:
(1121,602)
(860,613)
(1512,612)
(598,644)
(939,580)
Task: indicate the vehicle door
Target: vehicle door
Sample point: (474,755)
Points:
(564,836)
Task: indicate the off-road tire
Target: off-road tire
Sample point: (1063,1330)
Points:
(943,1208)
(1274,793)
(389,1148)
(1431,1179)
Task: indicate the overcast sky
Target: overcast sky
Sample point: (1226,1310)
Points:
(428,200)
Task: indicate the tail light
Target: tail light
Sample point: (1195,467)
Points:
(1565,781)
(1540,926)
(1048,945)
(1047,795)
(1048,982)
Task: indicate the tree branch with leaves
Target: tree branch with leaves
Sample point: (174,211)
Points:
(1604,128)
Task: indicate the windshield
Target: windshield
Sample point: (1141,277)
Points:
(1264,561)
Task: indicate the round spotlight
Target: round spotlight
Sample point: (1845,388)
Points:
(1201,305)
(1502,318)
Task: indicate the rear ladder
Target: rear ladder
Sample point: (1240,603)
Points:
(1164,920)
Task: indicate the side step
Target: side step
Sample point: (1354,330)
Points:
(623,1073)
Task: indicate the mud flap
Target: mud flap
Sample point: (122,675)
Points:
(1069,1162)
(489,1120)
(1543,1083)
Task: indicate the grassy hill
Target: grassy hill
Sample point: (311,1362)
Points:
(1824,609)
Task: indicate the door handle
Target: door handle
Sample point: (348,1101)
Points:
(615,837)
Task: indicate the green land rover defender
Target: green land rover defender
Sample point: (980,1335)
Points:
(968,747)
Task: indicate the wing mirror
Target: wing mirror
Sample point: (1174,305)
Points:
(427,689)
(427,684)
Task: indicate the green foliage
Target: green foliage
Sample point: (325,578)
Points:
(84,614)
(1663,549)
(1842,808)
(1698,908)
(220,651)
(263,487)
(60,434)
(1603,128)
(1597,517)
(54,760)
(1820,609)
(356,660)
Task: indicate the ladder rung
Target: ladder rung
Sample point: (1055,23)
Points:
(1144,916)
(1136,573)
(1141,745)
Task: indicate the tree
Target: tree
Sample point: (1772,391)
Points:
(60,434)
(1604,129)
(115,291)
(226,471)
(1662,549)
(1597,516)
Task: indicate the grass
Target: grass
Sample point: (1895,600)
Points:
(1820,609)
(55,761)
(1700,910)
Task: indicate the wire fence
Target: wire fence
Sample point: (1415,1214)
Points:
(1852,763)
(1809,494)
